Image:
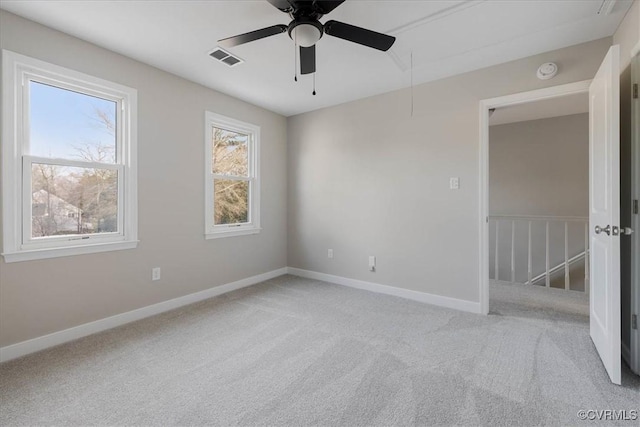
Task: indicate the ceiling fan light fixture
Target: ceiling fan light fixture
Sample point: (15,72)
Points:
(305,35)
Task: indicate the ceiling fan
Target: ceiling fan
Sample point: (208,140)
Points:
(306,29)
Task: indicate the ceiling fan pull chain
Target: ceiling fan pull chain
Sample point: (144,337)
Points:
(295,58)
(314,84)
(412,83)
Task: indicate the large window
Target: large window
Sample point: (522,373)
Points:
(232,182)
(68,162)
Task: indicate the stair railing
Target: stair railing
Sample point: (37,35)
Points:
(549,270)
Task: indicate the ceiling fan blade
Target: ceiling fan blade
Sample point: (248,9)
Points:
(251,36)
(326,6)
(307,59)
(359,35)
(283,5)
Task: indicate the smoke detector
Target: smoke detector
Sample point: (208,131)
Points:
(547,71)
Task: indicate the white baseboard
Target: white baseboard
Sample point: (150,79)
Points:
(458,304)
(36,344)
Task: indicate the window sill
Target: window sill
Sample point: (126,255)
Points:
(34,254)
(231,233)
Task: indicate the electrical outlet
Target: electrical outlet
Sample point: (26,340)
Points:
(454,183)
(155,273)
(330,253)
(372,263)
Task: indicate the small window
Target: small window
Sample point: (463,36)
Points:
(69,162)
(232,182)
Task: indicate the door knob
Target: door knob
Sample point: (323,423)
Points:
(606,229)
(626,230)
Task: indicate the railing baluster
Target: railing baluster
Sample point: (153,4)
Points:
(496,267)
(547,266)
(529,269)
(586,257)
(567,278)
(549,269)
(513,252)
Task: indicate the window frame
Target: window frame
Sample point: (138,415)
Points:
(18,244)
(252,226)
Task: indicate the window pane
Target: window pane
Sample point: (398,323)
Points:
(73,200)
(230,155)
(231,201)
(71,125)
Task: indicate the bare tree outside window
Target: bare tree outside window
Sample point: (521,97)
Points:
(44,182)
(231,193)
(72,199)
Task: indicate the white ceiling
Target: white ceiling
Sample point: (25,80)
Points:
(446,37)
(554,107)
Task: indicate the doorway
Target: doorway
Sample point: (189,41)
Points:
(486,106)
(604,229)
(538,188)
(539,209)
(539,193)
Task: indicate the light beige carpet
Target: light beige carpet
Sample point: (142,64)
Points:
(298,352)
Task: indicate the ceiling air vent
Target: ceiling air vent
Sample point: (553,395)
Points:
(225,57)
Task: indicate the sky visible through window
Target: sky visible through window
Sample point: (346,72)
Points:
(63,122)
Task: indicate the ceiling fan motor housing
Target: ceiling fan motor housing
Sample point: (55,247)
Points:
(305,31)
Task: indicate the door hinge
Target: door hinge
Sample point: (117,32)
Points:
(634,321)
(635,91)
(635,206)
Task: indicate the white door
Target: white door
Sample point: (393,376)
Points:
(604,212)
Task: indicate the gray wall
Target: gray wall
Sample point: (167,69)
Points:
(627,36)
(40,297)
(366,178)
(538,167)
